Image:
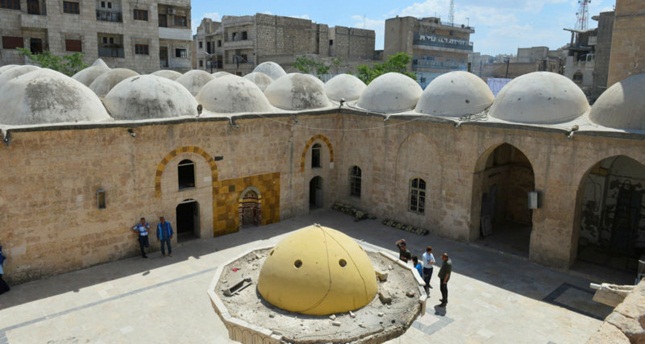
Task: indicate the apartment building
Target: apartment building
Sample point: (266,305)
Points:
(144,36)
(435,47)
(239,43)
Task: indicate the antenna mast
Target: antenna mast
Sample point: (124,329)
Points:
(582,17)
(452,12)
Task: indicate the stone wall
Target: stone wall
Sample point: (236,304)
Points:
(628,42)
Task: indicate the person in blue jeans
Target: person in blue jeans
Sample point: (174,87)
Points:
(164,235)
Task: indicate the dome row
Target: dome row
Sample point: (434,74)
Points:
(537,98)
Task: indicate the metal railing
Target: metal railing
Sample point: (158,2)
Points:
(110,16)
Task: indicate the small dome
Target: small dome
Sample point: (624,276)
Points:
(6,67)
(167,73)
(104,82)
(317,271)
(455,94)
(272,69)
(233,94)
(390,93)
(344,86)
(16,71)
(46,96)
(89,74)
(297,92)
(149,96)
(260,79)
(539,98)
(194,80)
(621,106)
(220,74)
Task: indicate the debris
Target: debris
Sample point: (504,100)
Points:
(332,317)
(351,314)
(336,323)
(385,297)
(382,276)
(410,293)
(239,286)
(380,314)
(235,269)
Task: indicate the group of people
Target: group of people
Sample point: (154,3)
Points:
(425,268)
(164,235)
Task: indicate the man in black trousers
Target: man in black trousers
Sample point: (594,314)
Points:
(444,277)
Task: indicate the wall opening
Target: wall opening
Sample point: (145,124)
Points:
(187,222)
(250,208)
(315,193)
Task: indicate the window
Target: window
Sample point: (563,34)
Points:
(10,4)
(141,49)
(71,7)
(219,42)
(201,45)
(417,195)
(355,181)
(181,21)
(163,20)
(315,155)
(201,63)
(73,45)
(181,53)
(331,42)
(141,15)
(186,174)
(245,35)
(9,42)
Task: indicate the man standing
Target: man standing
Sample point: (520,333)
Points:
(444,277)
(428,265)
(404,253)
(164,234)
(4,287)
(142,228)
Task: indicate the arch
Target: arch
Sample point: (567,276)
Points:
(502,178)
(609,224)
(310,142)
(250,207)
(161,166)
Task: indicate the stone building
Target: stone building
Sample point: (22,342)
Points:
(628,41)
(239,43)
(143,36)
(435,47)
(536,165)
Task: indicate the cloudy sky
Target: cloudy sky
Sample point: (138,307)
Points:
(501,26)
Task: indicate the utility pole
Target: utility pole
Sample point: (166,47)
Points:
(452,12)
(582,16)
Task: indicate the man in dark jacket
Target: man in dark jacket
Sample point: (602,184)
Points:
(164,234)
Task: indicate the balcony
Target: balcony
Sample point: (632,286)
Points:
(175,34)
(109,16)
(239,44)
(33,21)
(111,52)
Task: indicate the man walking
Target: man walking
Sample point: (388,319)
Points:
(444,277)
(142,228)
(164,234)
(428,265)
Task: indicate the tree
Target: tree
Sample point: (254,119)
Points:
(67,64)
(309,65)
(397,63)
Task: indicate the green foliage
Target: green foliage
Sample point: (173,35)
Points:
(309,65)
(397,63)
(67,64)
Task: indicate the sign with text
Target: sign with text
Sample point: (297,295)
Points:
(442,41)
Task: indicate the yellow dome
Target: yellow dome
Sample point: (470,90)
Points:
(318,271)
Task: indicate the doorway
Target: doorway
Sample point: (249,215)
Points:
(163,57)
(315,193)
(187,220)
(250,208)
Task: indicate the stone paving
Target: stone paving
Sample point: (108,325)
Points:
(494,297)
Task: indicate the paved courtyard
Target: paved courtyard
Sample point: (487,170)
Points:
(494,297)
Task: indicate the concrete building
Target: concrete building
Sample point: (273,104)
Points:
(536,165)
(628,41)
(144,36)
(602,52)
(239,43)
(527,60)
(435,47)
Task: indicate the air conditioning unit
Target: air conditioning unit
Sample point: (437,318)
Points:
(171,10)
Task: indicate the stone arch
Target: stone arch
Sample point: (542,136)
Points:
(310,142)
(250,206)
(186,149)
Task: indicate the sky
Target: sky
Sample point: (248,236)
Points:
(501,26)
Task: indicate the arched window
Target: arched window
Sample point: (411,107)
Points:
(417,195)
(315,155)
(355,181)
(186,174)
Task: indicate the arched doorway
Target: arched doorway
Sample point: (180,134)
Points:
(316,193)
(506,177)
(611,202)
(187,220)
(250,208)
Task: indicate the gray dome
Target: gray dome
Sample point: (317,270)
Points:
(10,73)
(344,86)
(540,98)
(89,74)
(260,79)
(296,92)
(390,93)
(167,73)
(149,96)
(233,94)
(220,74)
(272,69)
(194,80)
(455,94)
(104,82)
(44,96)
(6,67)
(621,106)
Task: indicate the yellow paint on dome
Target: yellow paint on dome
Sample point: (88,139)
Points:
(318,271)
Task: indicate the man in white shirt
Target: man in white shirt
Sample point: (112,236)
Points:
(141,228)
(428,264)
